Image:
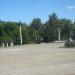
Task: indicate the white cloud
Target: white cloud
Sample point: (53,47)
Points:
(71,7)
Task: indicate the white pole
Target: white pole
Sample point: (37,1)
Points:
(3,45)
(21,35)
(7,44)
(59,34)
(11,44)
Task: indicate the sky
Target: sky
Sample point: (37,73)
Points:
(27,10)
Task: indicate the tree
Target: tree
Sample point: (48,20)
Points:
(51,28)
(36,30)
(66,28)
(36,25)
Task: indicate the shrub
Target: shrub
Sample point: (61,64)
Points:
(69,44)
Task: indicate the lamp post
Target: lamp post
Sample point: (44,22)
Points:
(21,35)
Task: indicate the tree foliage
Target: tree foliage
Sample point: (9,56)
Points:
(36,30)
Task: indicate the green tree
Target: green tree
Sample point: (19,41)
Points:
(36,26)
(51,32)
(66,28)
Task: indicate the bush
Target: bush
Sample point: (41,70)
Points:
(69,44)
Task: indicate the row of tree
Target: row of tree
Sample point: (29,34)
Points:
(37,31)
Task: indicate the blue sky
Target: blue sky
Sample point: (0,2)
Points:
(26,10)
